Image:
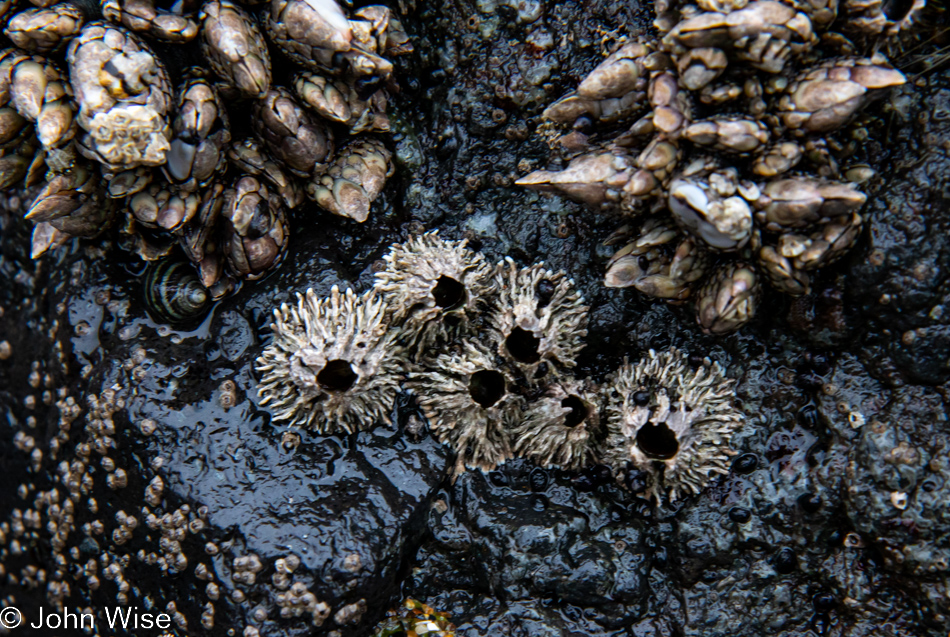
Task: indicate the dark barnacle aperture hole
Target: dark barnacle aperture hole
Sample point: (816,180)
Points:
(545,291)
(523,346)
(337,375)
(486,387)
(448,293)
(578,411)
(657,441)
(897,10)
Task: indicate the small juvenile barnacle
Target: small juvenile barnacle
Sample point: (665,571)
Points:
(540,319)
(670,421)
(562,428)
(466,397)
(435,287)
(334,365)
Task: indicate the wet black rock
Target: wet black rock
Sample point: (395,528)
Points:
(240,526)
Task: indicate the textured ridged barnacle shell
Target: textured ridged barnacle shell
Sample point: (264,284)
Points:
(45,30)
(435,287)
(797,202)
(142,16)
(561,428)
(540,319)
(595,179)
(710,209)
(338,101)
(291,133)
(727,133)
(729,298)
(468,402)
(660,261)
(235,47)
(70,203)
(39,93)
(670,421)
(248,156)
(255,229)
(825,97)
(123,94)
(353,180)
(764,33)
(200,136)
(334,365)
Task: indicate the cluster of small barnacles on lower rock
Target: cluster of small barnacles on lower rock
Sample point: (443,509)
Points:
(212,166)
(740,121)
(488,354)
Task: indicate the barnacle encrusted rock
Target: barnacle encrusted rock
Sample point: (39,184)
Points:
(562,428)
(469,401)
(731,97)
(540,319)
(436,287)
(670,421)
(334,366)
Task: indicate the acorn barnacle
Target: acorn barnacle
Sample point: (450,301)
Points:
(671,422)
(561,428)
(334,365)
(467,398)
(436,287)
(540,319)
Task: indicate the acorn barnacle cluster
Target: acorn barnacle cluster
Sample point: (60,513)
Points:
(206,156)
(731,165)
(488,353)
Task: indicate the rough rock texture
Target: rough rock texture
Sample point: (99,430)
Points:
(845,393)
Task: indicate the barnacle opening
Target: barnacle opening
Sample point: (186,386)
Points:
(486,387)
(578,411)
(448,293)
(657,441)
(523,346)
(337,375)
(897,10)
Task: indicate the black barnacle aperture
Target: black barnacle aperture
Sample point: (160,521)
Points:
(670,421)
(333,366)
(563,427)
(471,405)
(539,319)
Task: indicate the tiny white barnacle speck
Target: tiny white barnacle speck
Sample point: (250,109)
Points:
(671,421)
(561,428)
(434,287)
(540,319)
(467,398)
(334,365)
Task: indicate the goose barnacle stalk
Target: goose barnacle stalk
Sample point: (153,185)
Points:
(436,287)
(670,421)
(334,365)
(467,399)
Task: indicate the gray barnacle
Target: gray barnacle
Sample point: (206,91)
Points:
(562,428)
(467,399)
(540,319)
(435,287)
(124,97)
(334,365)
(670,421)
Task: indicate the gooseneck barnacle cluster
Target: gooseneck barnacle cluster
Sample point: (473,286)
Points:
(488,354)
(733,168)
(210,166)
